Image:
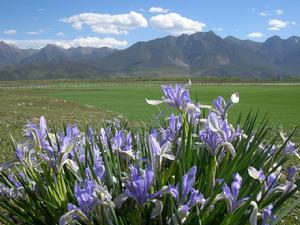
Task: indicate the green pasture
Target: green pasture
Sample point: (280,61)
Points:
(281,102)
(87,103)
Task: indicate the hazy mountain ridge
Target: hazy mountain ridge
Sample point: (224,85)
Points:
(199,54)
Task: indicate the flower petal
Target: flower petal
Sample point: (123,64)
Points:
(235,98)
(120,199)
(153,102)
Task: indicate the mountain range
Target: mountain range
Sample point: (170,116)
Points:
(198,54)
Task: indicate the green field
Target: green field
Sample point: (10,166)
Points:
(91,102)
(86,102)
(281,102)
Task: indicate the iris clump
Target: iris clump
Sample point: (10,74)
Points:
(199,166)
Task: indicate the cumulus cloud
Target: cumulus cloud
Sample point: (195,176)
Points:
(263,14)
(279,12)
(38,31)
(60,34)
(10,32)
(255,35)
(92,42)
(218,29)
(158,10)
(176,24)
(33,33)
(81,41)
(277,24)
(106,23)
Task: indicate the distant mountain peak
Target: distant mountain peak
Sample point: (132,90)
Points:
(274,38)
(53,47)
(198,54)
(294,39)
(5,44)
(231,38)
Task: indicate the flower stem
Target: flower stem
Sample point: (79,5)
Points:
(212,175)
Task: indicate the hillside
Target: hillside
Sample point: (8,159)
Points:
(199,54)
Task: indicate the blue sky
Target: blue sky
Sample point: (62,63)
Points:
(119,24)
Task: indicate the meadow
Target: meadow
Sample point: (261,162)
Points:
(281,102)
(91,102)
(87,102)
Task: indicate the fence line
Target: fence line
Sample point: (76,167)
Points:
(146,84)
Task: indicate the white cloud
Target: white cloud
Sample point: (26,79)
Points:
(176,24)
(255,35)
(60,34)
(38,31)
(279,12)
(106,23)
(277,24)
(33,33)
(40,10)
(218,29)
(10,32)
(81,41)
(263,14)
(158,10)
(293,23)
(93,42)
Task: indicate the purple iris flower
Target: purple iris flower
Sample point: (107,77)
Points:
(70,142)
(188,181)
(270,185)
(256,174)
(38,134)
(271,181)
(291,173)
(267,214)
(177,96)
(90,196)
(170,134)
(289,184)
(290,148)
(123,144)
(14,182)
(193,112)
(86,196)
(219,133)
(158,152)
(230,134)
(261,175)
(119,141)
(231,194)
(128,145)
(211,139)
(99,170)
(138,185)
(103,138)
(222,106)
(90,134)
(21,153)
